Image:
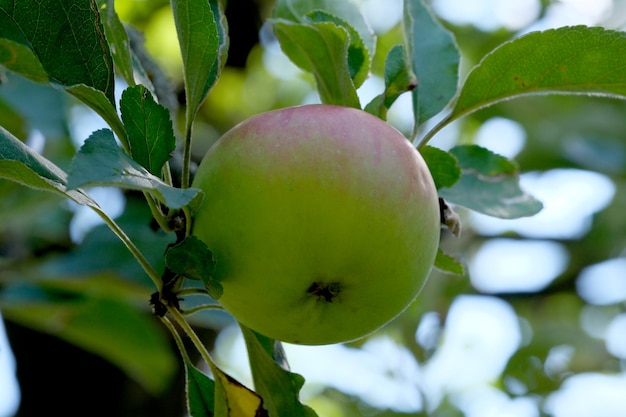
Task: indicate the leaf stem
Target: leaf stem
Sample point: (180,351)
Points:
(196,309)
(154,276)
(188,220)
(177,339)
(167,174)
(431,133)
(192,291)
(120,132)
(184,325)
(186,173)
(158,215)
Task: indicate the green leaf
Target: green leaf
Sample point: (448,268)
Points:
(103,248)
(443,166)
(447,263)
(13,149)
(398,79)
(224,42)
(331,40)
(347,11)
(568,60)
(200,392)
(39,106)
(67,37)
(150,133)
(489,184)
(100,315)
(21,164)
(118,40)
(434,58)
(12,119)
(321,48)
(101,162)
(192,259)
(358,55)
(99,103)
(83,69)
(203,41)
(21,59)
(278,387)
(16,52)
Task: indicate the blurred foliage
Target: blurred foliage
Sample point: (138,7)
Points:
(39,262)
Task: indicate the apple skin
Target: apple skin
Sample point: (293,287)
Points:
(324,222)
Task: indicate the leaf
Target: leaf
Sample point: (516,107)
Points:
(67,37)
(235,400)
(91,313)
(347,11)
(447,263)
(99,103)
(41,107)
(192,259)
(13,149)
(398,79)
(319,37)
(21,59)
(203,41)
(12,119)
(443,166)
(150,133)
(118,40)
(434,58)
(358,55)
(278,387)
(101,162)
(568,60)
(83,69)
(200,392)
(98,314)
(103,248)
(21,164)
(321,48)
(489,184)
(224,42)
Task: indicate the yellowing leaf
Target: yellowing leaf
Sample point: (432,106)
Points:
(232,399)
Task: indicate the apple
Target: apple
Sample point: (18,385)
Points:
(324,222)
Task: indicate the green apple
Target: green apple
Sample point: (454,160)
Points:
(324,222)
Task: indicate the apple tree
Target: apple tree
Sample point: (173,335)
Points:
(312,224)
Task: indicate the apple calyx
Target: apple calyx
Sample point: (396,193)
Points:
(326,292)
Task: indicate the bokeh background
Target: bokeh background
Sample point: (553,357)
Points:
(536,328)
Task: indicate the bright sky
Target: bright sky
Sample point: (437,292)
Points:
(9,390)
